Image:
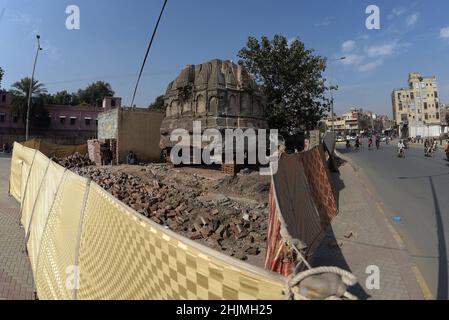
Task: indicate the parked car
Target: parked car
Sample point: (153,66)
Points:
(340,139)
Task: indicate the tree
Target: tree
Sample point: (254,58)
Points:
(2,73)
(158,104)
(65,98)
(20,91)
(291,79)
(95,93)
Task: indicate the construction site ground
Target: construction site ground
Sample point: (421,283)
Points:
(226,213)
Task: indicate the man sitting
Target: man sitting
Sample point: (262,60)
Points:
(131,158)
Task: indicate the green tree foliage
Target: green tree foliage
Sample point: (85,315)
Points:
(2,73)
(95,93)
(20,91)
(292,80)
(64,98)
(158,104)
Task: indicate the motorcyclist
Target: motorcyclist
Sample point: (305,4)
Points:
(370,142)
(377,142)
(357,143)
(434,146)
(426,147)
(348,144)
(446,150)
(401,147)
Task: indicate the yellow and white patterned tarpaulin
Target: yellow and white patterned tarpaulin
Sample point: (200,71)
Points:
(85,244)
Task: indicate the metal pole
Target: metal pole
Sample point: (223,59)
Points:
(332,111)
(30,92)
(332,96)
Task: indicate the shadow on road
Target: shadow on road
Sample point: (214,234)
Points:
(442,292)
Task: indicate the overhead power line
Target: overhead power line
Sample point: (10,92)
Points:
(148,51)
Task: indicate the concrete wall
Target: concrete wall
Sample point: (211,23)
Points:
(426,131)
(108,124)
(139,131)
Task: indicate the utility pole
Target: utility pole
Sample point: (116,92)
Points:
(332,96)
(30,92)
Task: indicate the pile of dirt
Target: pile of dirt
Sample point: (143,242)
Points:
(228,214)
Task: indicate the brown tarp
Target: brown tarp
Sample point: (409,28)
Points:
(302,204)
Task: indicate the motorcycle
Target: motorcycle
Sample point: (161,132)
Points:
(401,153)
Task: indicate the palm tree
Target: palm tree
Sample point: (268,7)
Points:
(20,93)
(21,88)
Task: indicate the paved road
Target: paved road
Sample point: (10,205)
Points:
(416,189)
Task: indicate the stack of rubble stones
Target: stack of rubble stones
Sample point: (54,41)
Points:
(189,206)
(74,161)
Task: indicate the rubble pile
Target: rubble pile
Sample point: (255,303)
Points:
(74,161)
(190,205)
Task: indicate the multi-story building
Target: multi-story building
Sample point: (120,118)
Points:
(352,119)
(72,123)
(346,123)
(418,105)
(339,123)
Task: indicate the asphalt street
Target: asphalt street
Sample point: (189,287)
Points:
(415,192)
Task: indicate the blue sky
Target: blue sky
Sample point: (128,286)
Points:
(110,45)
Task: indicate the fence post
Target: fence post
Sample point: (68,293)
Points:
(80,227)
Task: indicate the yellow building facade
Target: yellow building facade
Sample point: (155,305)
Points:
(419,103)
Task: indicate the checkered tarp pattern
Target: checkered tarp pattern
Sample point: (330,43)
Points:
(125,257)
(117,253)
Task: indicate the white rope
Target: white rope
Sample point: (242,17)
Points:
(347,278)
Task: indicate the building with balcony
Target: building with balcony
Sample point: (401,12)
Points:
(417,106)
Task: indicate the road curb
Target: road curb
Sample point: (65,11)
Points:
(348,160)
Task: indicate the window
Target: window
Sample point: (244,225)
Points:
(435,94)
(426,116)
(425,105)
(62,120)
(399,96)
(438,115)
(2,117)
(87,121)
(400,106)
(112,102)
(412,96)
(437,105)
(72,121)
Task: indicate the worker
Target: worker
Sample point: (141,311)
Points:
(131,158)
(106,154)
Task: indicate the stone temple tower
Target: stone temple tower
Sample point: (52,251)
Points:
(220,94)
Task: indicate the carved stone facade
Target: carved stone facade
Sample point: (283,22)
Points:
(220,94)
